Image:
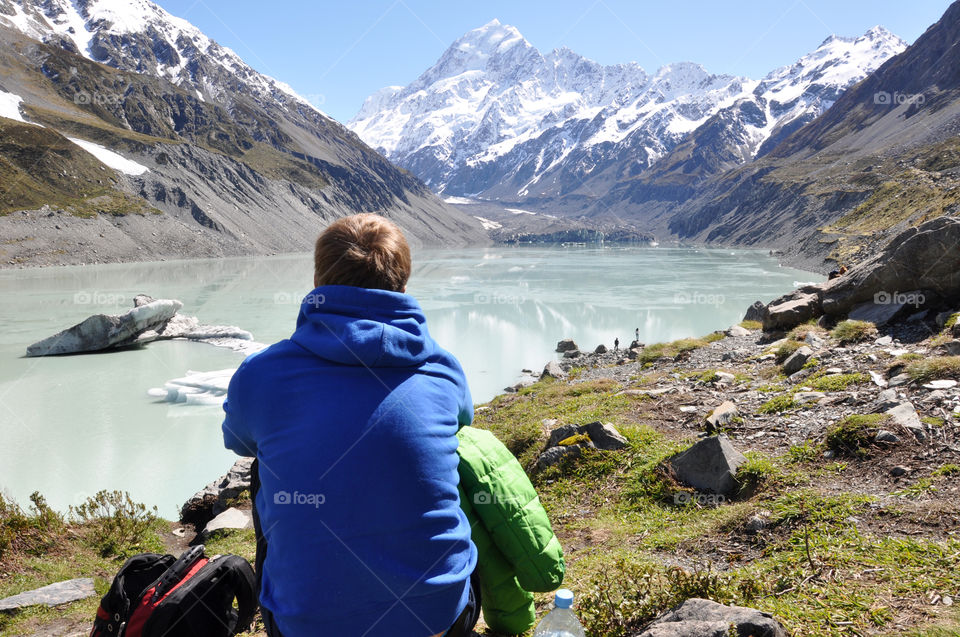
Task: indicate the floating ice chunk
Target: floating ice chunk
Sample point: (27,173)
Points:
(196,388)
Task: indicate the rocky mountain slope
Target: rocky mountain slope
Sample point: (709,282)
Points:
(886,156)
(194,153)
(496,119)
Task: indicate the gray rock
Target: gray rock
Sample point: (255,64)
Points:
(526,381)
(573,353)
(887,436)
(951,348)
(877,313)
(754,312)
(562,433)
(797,360)
(103,331)
(52,594)
(554,455)
(553,370)
(807,397)
(737,330)
(605,436)
(940,384)
(725,378)
(232,518)
(601,349)
(566,345)
(211,501)
(792,310)
(721,416)
(883,341)
(709,465)
(899,379)
(705,618)
(755,524)
(906,416)
(899,470)
(878,379)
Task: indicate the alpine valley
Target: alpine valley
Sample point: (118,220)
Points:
(500,129)
(127,134)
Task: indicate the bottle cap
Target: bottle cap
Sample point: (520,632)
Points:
(563,598)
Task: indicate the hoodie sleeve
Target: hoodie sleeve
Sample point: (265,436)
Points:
(236,435)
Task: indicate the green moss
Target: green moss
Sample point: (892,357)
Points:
(778,404)
(836,382)
(574,440)
(952,320)
(853,435)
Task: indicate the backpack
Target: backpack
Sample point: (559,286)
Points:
(160,595)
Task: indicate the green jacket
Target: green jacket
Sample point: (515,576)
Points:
(517,550)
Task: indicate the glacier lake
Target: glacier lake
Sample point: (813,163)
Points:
(73,425)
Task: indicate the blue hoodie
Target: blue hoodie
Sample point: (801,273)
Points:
(354,421)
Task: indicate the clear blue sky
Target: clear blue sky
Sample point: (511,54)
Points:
(336,53)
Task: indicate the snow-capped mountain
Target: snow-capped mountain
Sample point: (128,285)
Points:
(495,118)
(236,159)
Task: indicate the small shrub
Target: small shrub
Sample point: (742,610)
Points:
(947,470)
(778,404)
(800,332)
(935,368)
(853,435)
(812,362)
(115,524)
(853,331)
(34,532)
(709,376)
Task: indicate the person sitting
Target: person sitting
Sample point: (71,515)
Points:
(353,421)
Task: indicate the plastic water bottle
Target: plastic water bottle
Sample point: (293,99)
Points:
(560,622)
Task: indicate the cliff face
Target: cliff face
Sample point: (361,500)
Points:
(213,158)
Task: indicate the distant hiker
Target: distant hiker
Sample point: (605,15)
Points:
(353,421)
(835,274)
(616,344)
(637,334)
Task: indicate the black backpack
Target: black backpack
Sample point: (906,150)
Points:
(160,595)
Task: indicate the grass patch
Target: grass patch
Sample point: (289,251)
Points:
(785,350)
(836,382)
(952,320)
(854,435)
(778,404)
(936,368)
(853,331)
(671,350)
(751,325)
(946,470)
(804,452)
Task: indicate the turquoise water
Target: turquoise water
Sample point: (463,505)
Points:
(73,425)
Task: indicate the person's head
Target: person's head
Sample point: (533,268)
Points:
(365,251)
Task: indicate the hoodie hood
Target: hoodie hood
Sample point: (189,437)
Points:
(363,327)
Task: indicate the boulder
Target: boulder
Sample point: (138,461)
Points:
(906,416)
(572,353)
(926,257)
(605,436)
(601,349)
(886,436)
(709,465)
(553,370)
(52,594)
(232,518)
(704,618)
(721,416)
(103,331)
(877,313)
(797,360)
(737,330)
(554,455)
(566,345)
(754,312)
(211,501)
(562,433)
(951,348)
(792,310)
